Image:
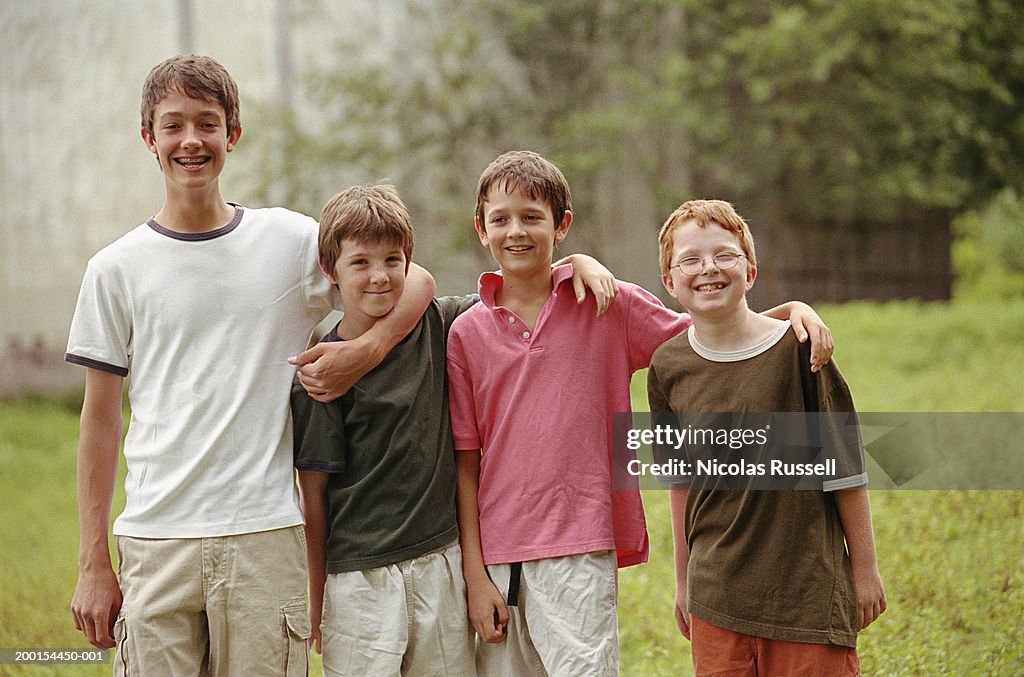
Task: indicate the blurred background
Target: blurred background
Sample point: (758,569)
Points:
(875,146)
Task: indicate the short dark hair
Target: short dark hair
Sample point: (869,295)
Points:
(527,171)
(195,76)
(367,213)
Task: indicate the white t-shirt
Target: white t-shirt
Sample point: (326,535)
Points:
(205,324)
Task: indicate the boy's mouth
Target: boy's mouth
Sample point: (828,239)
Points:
(518,248)
(708,287)
(192,162)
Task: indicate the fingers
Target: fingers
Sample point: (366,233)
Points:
(869,614)
(492,623)
(580,288)
(316,642)
(314,385)
(98,629)
(304,358)
(821,349)
(683,622)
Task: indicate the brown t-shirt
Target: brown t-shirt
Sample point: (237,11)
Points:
(768,563)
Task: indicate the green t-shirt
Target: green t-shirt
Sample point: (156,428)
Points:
(764,563)
(387,445)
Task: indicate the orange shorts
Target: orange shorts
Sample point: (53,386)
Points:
(718,652)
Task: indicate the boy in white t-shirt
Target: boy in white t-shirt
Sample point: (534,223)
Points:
(204,305)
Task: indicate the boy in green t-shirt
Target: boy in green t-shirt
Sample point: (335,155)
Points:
(767,582)
(376,466)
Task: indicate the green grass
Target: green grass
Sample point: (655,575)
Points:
(951,561)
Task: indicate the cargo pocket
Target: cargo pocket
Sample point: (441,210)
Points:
(297,631)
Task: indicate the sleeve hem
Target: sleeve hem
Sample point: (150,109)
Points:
(846,483)
(95,364)
(320,467)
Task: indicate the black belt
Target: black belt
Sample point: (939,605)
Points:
(514,574)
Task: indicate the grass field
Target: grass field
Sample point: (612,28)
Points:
(952,562)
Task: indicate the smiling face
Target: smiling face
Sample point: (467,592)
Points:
(191,141)
(520,231)
(712,292)
(371,279)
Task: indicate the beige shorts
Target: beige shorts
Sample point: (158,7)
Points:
(231,605)
(407,618)
(565,624)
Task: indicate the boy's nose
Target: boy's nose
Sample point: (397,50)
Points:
(190,137)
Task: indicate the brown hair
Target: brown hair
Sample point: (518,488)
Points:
(704,212)
(530,173)
(195,76)
(367,213)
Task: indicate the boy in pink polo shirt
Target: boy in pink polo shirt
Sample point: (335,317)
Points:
(534,378)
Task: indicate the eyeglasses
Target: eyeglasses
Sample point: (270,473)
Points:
(692,265)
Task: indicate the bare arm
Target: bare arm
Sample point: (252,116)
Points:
(589,273)
(97,598)
(677,503)
(328,370)
(806,323)
(313,498)
(484,598)
(855,514)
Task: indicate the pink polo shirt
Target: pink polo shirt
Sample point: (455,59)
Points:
(538,403)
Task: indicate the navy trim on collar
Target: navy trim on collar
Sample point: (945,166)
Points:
(199,237)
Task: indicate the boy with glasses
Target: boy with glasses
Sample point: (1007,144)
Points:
(768,582)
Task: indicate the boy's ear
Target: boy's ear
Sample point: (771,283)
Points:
(562,229)
(326,271)
(670,286)
(233,138)
(751,276)
(148,139)
(481,232)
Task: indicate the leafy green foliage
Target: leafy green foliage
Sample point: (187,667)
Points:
(822,121)
(988,254)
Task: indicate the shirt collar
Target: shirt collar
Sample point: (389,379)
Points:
(491,282)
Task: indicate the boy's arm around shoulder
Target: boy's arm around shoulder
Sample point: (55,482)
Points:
(806,324)
(97,599)
(328,370)
(589,273)
(647,323)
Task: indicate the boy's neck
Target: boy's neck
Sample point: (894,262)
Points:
(353,325)
(525,295)
(194,213)
(734,331)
